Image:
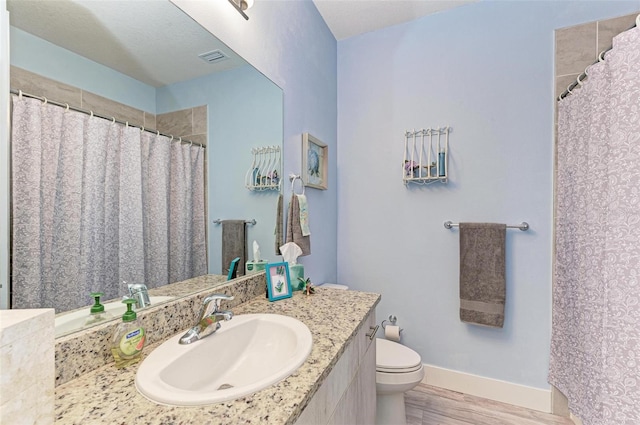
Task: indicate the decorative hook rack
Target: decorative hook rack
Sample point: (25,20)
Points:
(426,154)
(266,169)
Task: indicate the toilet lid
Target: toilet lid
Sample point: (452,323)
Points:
(395,358)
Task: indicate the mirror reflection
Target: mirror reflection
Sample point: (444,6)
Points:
(148,64)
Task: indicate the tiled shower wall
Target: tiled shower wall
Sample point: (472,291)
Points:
(577,47)
(190,124)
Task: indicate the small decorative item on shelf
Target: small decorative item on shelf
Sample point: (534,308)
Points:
(425,155)
(307,285)
(411,168)
(273,177)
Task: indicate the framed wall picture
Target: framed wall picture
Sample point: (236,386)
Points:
(278,281)
(315,161)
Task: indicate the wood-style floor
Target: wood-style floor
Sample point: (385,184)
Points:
(427,405)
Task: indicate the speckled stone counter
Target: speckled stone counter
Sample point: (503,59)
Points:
(189,286)
(108,395)
(175,290)
(89,349)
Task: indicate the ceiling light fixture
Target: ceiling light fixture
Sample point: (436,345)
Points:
(241,6)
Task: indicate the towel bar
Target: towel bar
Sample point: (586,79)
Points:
(251,222)
(524,226)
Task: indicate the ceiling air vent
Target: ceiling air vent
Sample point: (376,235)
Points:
(213,56)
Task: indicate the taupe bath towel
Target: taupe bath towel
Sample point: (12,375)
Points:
(482,273)
(234,244)
(294,230)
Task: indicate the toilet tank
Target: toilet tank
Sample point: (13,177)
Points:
(333,286)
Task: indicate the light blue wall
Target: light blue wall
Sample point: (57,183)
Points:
(289,42)
(41,57)
(486,70)
(244,111)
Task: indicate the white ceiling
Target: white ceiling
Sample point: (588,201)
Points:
(152,41)
(347,18)
(155,42)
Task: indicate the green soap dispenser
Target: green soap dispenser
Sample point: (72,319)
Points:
(98,313)
(129,338)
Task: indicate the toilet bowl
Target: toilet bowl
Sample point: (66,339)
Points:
(398,369)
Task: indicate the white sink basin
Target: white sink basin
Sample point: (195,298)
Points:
(75,321)
(247,354)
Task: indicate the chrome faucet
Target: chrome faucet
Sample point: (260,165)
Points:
(209,319)
(139,293)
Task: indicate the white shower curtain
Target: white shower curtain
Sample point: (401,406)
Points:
(96,203)
(595,347)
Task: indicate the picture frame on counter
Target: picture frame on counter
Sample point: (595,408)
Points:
(278,281)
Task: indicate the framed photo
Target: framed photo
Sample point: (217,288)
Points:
(278,281)
(233,268)
(315,158)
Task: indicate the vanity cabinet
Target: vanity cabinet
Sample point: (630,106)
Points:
(348,394)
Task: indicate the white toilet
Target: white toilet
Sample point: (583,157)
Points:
(398,369)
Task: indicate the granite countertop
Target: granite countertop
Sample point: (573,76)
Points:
(175,290)
(189,286)
(108,395)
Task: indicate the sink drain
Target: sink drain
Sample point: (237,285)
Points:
(225,386)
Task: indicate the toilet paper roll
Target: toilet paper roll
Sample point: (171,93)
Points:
(392,333)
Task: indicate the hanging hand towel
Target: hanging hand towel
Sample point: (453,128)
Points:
(294,230)
(278,231)
(482,273)
(304,215)
(234,244)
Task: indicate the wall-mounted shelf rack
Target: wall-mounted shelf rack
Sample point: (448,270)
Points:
(426,156)
(265,172)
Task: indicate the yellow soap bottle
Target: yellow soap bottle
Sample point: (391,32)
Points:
(129,338)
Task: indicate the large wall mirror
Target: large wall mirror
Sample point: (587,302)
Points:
(144,55)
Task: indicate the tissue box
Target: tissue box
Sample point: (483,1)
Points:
(296,271)
(253,267)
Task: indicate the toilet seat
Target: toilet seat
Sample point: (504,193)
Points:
(392,357)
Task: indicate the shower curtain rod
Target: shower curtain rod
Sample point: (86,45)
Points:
(582,76)
(84,111)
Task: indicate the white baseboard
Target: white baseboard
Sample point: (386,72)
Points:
(492,389)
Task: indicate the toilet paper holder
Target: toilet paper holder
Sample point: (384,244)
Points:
(392,321)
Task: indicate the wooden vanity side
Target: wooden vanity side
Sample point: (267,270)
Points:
(348,395)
